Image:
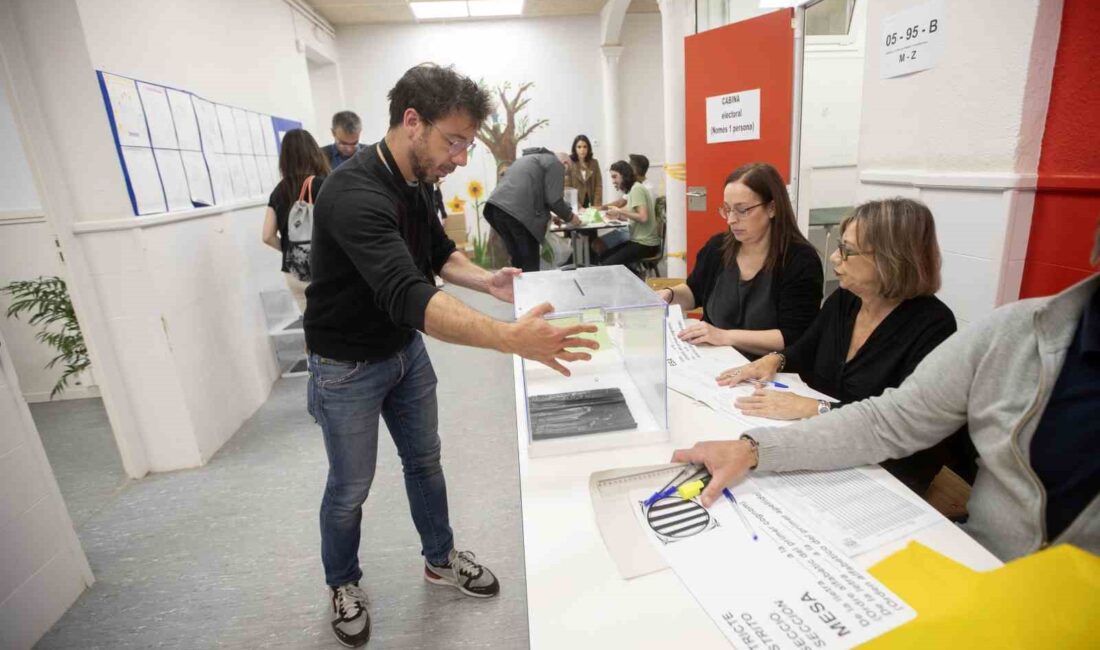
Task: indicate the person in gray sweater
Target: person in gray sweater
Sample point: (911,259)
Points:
(1025,379)
(520,206)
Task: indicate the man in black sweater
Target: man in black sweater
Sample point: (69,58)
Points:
(376,250)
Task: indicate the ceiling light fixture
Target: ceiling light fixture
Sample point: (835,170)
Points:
(488,8)
(450,9)
(440,10)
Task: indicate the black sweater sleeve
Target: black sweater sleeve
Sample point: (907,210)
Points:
(441,245)
(798,292)
(708,262)
(940,326)
(365,225)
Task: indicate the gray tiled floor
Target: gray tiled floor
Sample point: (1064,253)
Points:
(78,441)
(227,555)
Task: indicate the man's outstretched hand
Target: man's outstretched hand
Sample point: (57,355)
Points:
(532,337)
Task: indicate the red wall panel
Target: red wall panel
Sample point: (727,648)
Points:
(750,54)
(1067,201)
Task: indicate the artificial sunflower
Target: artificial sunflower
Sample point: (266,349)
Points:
(475,189)
(456,204)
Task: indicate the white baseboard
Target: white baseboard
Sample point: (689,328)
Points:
(72,392)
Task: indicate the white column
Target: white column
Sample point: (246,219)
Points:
(676,23)
(611,107)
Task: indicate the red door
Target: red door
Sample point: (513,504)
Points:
(727,65)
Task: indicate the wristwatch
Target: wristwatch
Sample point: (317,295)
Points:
(755,448)
(823,407)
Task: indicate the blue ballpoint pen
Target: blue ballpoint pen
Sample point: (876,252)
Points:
(737,508)
(760,383)
(670,488)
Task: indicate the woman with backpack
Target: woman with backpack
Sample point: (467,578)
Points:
(303,167)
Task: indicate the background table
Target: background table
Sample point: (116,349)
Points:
(581,237)
(575,596)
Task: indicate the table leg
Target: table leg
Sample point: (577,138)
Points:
(585,249)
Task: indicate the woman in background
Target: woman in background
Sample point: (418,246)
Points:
(584,174)
(760,282)
(645,238)
(299,159)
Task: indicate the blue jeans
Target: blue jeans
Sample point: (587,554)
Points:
(346,399)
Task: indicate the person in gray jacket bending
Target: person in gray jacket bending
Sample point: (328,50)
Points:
(520,206)
(1026,379)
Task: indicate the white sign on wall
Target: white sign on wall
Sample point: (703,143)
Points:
(734,117)
(912,40)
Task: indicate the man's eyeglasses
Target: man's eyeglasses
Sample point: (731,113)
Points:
(456,146)
(727,210)
(846,252)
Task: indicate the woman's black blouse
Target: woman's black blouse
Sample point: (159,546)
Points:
(792,291)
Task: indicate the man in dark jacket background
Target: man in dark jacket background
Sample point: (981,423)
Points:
(520,206)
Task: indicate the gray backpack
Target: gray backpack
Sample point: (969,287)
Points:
(299,232)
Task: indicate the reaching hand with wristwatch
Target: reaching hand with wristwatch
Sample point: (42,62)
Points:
(728,461)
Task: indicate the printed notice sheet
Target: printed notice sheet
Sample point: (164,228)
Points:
(789,588)
(127,111)
(183,115)
(141,169)
(857,509)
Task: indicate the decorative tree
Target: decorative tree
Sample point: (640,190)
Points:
(502,137)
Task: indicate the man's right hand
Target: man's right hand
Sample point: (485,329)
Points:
(532,337)
(727,461)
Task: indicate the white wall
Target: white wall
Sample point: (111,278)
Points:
(189,289)
(27,251)
(832,93)
(560,55)
(17,194)
(640,85)
(43,569)
(175,300)
(964,137)
(243,53)
(964,114)
(324,81)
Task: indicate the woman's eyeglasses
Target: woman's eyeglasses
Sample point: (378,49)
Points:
(846,252)
(727,210)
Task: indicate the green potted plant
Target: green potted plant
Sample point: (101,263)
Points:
(46,300)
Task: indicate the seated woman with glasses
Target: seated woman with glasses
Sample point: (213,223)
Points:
(872,331)
(760,282)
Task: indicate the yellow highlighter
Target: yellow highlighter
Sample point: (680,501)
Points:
(691,489)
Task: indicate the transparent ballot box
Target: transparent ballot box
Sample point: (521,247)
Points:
(618,398)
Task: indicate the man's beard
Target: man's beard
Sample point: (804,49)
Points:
(418,154)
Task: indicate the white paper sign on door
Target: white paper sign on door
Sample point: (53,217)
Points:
(912,40)
(733,117)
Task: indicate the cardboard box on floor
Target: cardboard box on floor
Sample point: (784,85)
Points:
(455,227)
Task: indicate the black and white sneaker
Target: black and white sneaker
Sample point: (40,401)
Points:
(463,573)
(350,620)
